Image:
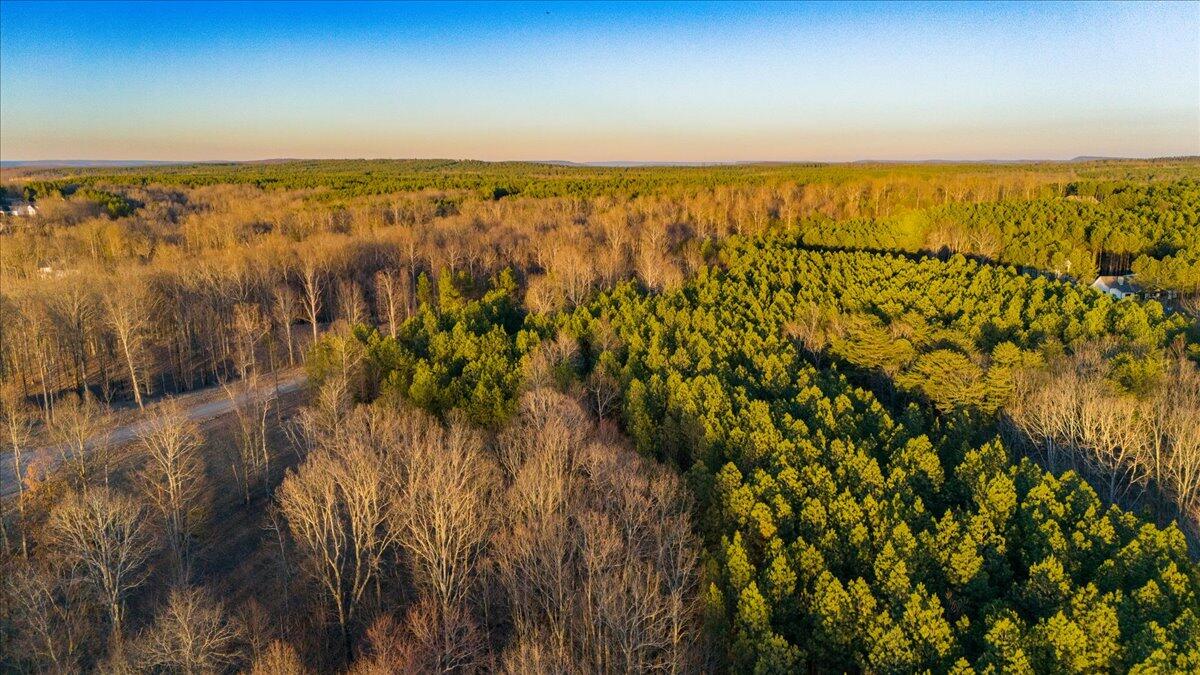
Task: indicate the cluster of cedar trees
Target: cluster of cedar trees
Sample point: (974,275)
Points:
(833,413)
(849,425)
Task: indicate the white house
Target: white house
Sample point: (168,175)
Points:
(19,209)
(1118,287)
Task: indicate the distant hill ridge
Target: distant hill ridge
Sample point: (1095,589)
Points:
(118,163)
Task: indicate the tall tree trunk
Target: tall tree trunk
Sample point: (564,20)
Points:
(137,393)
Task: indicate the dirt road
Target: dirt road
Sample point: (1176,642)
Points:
(200,406)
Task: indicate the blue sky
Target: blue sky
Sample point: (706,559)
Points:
(598,82)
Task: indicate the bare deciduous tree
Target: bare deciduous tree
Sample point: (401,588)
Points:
(172,478)
(51,616)
(312,278)
(128,312)
(553,362)
(251,449)
(81,430)
(596,552)
(336,506)
(444,514)
(249,327)
(392,298)
(437,641)
(191,635)
(814,329)
(1125,444)
(351,307)
(604,389)
(1175,419)
(384,649)
(573,269)
(279,658)
(18,419)
(104,535)
(534,652)
(655,266)
(286,308)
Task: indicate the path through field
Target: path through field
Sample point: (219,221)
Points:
(200,406)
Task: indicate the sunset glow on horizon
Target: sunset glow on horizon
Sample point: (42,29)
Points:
(598,82)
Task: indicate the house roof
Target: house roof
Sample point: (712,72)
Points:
(1124,284)
(14,205)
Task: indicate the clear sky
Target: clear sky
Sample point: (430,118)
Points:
(598,82)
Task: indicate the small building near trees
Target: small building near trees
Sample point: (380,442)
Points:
(1117,286)
(20,209)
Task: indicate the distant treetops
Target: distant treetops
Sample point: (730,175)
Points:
(1156,227)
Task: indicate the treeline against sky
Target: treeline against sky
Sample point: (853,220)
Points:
(137,247)
(334,180)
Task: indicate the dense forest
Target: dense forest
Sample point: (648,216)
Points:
(748,418)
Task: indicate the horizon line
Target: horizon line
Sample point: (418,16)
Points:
(116,163)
